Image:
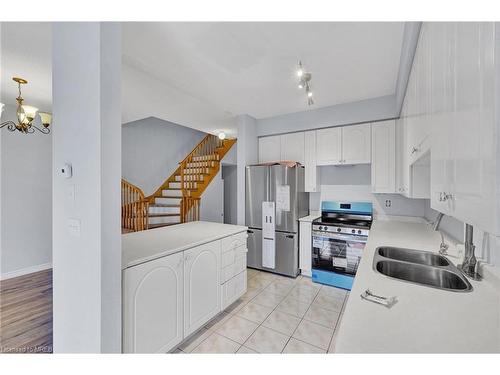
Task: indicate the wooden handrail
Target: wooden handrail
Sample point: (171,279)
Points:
(135,207)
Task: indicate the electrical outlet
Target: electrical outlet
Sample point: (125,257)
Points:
(388,203)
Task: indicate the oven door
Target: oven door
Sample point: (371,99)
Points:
(340,253)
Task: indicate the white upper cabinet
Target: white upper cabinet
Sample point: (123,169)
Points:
(344,145)
(402,164)
(419,99)
(311,175)
(292,147)
(464,130)
(269,149)
(383,157)
(356,144)
(152,305)
(202,299)
(329,146)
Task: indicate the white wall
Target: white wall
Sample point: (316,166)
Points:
(212,200)
(87,133)
(230,178)
(152,149)
(352,183)
(247,153)
(26,200)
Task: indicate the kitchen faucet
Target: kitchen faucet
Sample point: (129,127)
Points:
(468,267)
(443,247)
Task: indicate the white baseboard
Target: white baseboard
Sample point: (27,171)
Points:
(25,271)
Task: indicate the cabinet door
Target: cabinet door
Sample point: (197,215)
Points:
(383,157)
(402,164)
(292,147)
(305,248)
(269,149)
(311,179)
(329,146)
(356,144)
(442,39)
(202,300)
(152,301)
(475,132)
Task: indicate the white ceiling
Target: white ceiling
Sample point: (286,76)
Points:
(203,74)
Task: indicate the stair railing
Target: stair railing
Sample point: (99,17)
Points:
(190,205)
(135,208)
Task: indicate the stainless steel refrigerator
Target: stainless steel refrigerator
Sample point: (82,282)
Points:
(284,187)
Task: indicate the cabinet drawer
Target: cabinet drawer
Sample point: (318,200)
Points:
(231,242)
(238,264)
(229,257)
(234,289)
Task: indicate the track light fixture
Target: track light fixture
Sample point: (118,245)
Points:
(305,82)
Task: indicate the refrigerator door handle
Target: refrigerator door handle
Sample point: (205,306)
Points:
(290,236)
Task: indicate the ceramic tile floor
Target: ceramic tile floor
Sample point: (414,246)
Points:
(276,315)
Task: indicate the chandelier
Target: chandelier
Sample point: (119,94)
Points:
(25,115)
(305,82)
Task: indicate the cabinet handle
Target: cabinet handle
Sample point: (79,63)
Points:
(413,150)
(249,231)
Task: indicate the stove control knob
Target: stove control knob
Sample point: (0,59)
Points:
(359,231)
(339,230)
(353,231)
(320,227)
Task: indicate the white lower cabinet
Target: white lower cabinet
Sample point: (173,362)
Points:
(167,299)
(202,269)
(233,289)
(152,310)
(305,258)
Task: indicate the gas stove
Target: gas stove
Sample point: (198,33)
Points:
(338,240)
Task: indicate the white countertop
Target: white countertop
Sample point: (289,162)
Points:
(143,246)
(424,320)
(310,218)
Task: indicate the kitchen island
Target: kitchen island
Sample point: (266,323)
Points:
(424,320)
(176,279)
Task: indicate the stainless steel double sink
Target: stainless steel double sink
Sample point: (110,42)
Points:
(420,267)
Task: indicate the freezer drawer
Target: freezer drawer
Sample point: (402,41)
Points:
(287,252)
(254,243)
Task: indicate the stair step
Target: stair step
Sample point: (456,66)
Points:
(192,184)
(153,226)
(163,205)
(171,193)
(189,178)
(166,200)
(206,157)
(164,209)
(164,215)
(198,171)
(164,219)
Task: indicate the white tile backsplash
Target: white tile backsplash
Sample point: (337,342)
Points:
(399,205)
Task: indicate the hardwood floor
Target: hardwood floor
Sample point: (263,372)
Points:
(26,313)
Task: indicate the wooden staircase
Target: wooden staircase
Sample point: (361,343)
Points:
(177,200)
